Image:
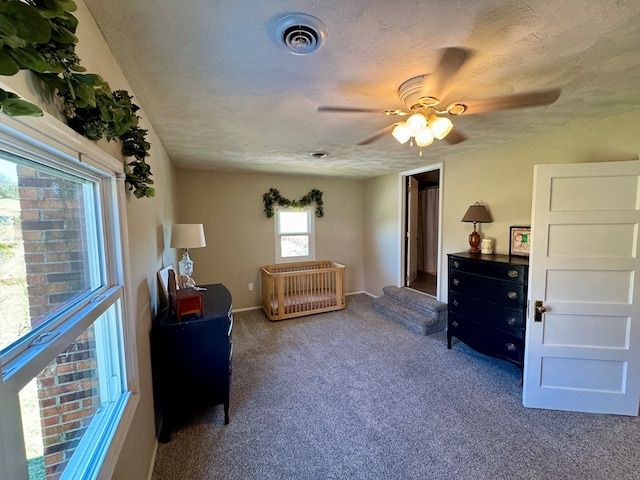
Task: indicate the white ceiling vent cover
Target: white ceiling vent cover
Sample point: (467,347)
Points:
(300,33)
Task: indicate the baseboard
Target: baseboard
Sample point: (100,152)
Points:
(153,460)
(259,307)
(362,291)
(247,309)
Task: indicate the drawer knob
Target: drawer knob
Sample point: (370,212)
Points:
(456,263)
(456,281)
(512,295)
(511,321)
(511,347)
(513,273)
(454,324)
(456,303)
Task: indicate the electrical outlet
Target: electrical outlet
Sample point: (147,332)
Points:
(251,287)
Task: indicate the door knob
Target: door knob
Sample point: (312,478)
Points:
(539,310)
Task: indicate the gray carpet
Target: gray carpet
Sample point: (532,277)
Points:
(352,395)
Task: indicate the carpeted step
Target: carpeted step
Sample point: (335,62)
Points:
(415,300)
(420,321)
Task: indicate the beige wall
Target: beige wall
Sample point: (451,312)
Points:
(500,178)
(382,241)
(240,238)
(147,238)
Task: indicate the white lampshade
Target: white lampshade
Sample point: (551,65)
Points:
(424,138)
(401,133)
(416,123)
(441,126)
(188,235)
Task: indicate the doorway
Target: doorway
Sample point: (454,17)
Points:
(422,233)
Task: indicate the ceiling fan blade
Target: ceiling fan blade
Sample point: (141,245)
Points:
(349,110)
(455,136)
(508,102)
(378,135)
(452,60)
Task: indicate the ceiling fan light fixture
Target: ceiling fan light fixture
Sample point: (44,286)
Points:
(456,109)
(401,133)
(416,123)
(441,126)
(424,138)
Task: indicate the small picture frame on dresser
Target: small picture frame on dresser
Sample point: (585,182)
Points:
(519,241)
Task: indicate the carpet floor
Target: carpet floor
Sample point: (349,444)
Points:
(352,395)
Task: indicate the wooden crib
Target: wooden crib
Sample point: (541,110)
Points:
(296,289)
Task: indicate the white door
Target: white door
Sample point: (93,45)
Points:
(412,230)
(583,353)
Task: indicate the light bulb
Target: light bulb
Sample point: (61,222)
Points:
(441,126)
(401,133)
(424,138)
(416,123)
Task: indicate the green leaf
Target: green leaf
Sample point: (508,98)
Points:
(30,58)
(3,95)
(86,92)
(83,78)
(14,42)
(28,22)
(62,35)
(17,107)
(61,5)
(7,65)
(7,27)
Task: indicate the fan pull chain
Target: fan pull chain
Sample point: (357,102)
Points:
(420,152)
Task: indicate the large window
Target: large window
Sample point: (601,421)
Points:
(295,234)
(65,383)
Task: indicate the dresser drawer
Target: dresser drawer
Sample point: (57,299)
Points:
(490,314)
(488,289)
(485,340)
(499,271)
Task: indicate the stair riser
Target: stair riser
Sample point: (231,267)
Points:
(423,326)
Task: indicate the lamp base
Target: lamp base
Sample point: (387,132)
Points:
(474,241)
(186,264)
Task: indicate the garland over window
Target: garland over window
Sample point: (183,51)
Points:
(273,197)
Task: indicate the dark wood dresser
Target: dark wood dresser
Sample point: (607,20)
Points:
(488,303)
(192,360)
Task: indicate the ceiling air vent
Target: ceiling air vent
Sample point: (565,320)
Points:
(300,33)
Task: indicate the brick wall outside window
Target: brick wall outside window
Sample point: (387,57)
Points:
(53,230)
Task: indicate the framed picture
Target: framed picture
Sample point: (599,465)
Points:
(519,241)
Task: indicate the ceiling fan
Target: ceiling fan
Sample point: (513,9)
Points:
(426,119)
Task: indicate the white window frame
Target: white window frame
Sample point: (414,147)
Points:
(47,140)
(311,226)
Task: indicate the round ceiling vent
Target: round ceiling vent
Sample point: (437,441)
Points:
(300,33)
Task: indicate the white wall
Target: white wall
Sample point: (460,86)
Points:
(147,237)
(240,238)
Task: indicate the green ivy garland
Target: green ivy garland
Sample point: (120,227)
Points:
(39,36)
(273,197)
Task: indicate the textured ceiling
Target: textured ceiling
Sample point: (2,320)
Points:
(223,95)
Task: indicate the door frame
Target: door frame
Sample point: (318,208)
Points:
(402,223)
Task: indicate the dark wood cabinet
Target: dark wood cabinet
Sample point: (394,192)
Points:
(487,304)
(192,360)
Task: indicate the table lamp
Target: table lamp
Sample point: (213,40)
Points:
(477,214)
(187,235)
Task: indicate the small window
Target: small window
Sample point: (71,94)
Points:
(295,234)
